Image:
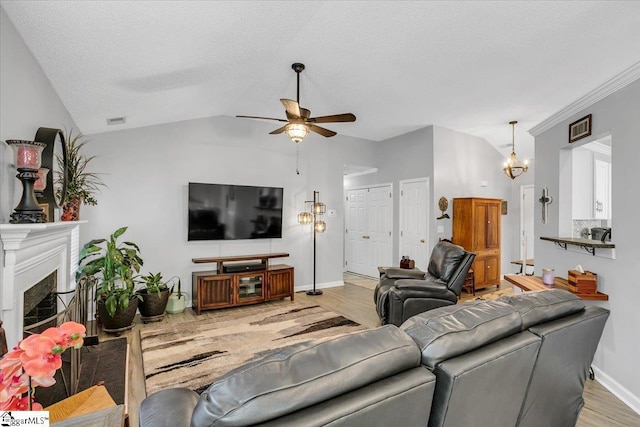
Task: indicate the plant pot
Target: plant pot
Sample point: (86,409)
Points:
(175,304)
(71,210)
(153,305)
(121,321)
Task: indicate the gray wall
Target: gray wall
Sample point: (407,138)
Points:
(403,157)
(27,102)
(147,171)
(456,165)
(619,349)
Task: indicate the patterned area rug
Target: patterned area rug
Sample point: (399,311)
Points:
(193,354)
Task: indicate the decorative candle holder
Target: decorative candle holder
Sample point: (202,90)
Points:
(41,183)
(28,159)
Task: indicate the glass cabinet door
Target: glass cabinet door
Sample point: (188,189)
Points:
(250,287)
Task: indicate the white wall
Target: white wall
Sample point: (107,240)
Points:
(619,351)
(147,171)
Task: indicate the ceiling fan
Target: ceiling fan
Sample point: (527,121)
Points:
(299,122)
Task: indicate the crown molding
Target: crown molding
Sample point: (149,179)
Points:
(616,83)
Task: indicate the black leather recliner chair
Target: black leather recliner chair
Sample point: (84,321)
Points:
(403,293)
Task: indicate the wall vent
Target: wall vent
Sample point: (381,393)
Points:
(116,121)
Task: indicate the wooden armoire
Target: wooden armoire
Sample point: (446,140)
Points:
(476,227)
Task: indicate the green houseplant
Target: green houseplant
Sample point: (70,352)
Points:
(113,267)
(177,299)
(154,295)
(81,184)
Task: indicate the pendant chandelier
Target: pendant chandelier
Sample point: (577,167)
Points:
(513,168)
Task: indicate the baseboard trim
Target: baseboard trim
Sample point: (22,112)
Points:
(319,286)
(618,390)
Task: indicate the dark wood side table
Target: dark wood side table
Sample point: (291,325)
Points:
(470,282)
(534,283)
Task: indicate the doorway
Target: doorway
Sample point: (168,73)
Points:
(414,225)
(527,205)
(368,233)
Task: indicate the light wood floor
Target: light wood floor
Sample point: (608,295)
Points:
(355,301)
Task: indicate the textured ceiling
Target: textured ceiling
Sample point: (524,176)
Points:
(398,66)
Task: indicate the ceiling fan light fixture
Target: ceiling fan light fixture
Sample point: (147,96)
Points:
(296,131)
(512,167)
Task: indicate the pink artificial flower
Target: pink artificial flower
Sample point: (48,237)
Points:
(73,334)
(39,359)
(36,357)
(17,403)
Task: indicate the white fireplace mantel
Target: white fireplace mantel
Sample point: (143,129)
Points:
(30,252)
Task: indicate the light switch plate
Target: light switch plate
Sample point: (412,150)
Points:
(331,213)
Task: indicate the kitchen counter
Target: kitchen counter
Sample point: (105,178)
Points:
(586,244)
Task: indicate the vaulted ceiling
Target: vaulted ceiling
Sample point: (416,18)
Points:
(397,65)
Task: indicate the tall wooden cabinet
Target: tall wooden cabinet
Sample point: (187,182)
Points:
(476,227)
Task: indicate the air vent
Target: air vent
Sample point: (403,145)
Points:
(116,121)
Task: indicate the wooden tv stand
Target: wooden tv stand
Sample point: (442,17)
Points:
(240,280)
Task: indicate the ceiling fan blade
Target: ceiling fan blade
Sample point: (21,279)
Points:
(292,107)
(345,117)
(262,118)
(279,130)
(304,113)
(322,131)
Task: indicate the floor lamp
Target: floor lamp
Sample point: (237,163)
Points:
(319,226)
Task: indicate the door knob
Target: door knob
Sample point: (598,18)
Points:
(421,240)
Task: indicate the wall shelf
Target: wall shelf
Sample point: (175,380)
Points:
(586,244)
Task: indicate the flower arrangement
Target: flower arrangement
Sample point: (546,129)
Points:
(34,362)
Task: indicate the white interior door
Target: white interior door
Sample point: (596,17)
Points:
(379,230)
(527,205)
(357,247)
(414,231)
(368,230)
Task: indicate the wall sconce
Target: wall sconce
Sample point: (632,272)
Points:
(316,208)
(27,157)
(443,204)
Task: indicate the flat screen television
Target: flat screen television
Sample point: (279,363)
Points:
(232,212)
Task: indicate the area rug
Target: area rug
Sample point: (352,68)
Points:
(193,354)
(492,296)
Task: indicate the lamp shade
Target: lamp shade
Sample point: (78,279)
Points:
(296,131)
(320,226)
(305,218)
(27,154)
(319,208)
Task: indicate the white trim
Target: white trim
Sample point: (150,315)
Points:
(319,286)
(618,390)
(616,83)
(30,253)
(362,187)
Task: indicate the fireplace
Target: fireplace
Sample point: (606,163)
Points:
(40,304)
(30,254)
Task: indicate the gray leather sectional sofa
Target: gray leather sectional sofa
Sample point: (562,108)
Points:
(519,361)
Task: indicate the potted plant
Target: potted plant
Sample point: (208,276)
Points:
(177,300)
(113,267)
(81,185)
(154,295)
